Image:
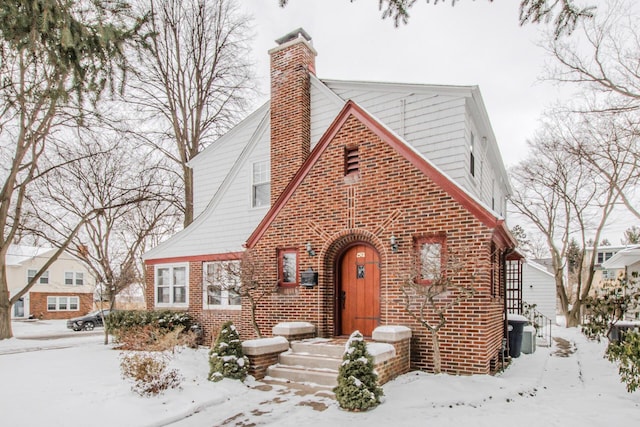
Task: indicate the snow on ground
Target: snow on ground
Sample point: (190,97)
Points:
(570,384)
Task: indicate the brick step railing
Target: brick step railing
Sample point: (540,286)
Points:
(290,358)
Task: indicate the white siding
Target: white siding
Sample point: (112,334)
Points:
(213,164)
(434,123)
(325,106)
(538,287)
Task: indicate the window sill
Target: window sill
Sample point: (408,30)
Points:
(222,307)
(166,305)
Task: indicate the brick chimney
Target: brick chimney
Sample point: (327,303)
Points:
(291,62)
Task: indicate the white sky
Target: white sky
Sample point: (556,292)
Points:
(474,43)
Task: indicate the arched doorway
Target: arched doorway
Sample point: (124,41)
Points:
(358,289)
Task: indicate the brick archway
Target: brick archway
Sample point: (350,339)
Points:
(331,252)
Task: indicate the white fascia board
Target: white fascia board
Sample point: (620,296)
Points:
(445,90)
(479,104)
(326,90)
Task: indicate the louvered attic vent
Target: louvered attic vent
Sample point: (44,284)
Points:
(351,161)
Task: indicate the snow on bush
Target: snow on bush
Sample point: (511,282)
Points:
(226,359)
(357,388)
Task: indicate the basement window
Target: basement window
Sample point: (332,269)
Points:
(351,161)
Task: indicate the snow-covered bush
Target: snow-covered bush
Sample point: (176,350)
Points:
(226,359)
(617,302)
(149,372)
(357,388)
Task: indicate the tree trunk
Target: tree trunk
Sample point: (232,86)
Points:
(5,316)
(437,358)
(573,316)
(5,303)
(188,196)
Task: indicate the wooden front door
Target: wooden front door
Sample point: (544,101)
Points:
(359,290)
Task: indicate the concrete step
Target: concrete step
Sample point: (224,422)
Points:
(318,347)
(325,377)
(309,361)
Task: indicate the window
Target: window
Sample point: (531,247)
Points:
(261,185)
(221,284)
(472,159)
(604,256)
(69,278)
(64,303)
(171,285)
(44,279)
(430,252)
(288,267)
(351,161)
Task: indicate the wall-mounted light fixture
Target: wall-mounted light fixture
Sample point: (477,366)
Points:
(394,244)
(309,249)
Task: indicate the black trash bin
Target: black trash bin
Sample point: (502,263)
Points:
(516,325)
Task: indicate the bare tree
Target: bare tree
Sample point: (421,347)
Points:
(51,53)
(602,60)
(429,304)
(558,191)
(125,192)
(193,79)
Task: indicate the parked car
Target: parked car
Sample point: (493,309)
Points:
(88,321)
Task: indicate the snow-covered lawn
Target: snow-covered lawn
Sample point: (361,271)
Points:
(75,381)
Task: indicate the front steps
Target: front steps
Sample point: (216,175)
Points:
(315,360)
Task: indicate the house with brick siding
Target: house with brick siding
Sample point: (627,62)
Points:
(342,191)
(64,291)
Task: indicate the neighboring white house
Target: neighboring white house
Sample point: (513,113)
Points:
(539,288)
(605,269)
(626,261)
(65,290)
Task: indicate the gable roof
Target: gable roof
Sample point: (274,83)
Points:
(623,258)
(17,254)
(539,267)
(482,212)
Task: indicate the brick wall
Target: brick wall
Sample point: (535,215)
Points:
(290,110)
(390,197)
(400,364)
(38,305)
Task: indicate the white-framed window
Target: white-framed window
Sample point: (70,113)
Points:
(221,285)
(74,277)
(604,256)
(63,303)
(171,285)
(44,279)
(260,185)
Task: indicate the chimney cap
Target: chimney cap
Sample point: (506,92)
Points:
(293,35)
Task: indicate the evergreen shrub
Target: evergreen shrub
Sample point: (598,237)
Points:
(226,359)
(357,388)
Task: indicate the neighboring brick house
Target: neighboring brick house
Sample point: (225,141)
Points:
(357,184)
(64,291)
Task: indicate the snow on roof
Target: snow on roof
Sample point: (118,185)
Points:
(623,258)
(17,254)
(539,267)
